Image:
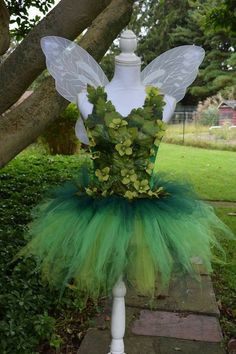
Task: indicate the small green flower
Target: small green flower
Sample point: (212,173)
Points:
(157,142)
(130,195)
(159,134)
(156,193)
(150,168)
(91,191)
(91,139)
(124,147)
(92,142)
(117,123)
(129,176)
(142,186)
(160,190)
(161,124)
(152,152)
(151,193)
(103,174)
(105,193)
(95,155)
(152,91)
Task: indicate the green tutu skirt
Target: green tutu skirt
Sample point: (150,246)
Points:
(92,242)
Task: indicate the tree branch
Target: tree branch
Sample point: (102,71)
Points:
(68,19)
(4,28)
(26,122)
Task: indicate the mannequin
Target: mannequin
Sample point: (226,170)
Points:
(126,90)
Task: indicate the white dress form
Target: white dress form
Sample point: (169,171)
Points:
(126,92)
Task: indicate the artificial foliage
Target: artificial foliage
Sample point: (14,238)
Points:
(123,149)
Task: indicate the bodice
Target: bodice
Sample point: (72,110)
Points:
(124,148)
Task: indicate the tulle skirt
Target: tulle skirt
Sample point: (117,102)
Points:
(91,242)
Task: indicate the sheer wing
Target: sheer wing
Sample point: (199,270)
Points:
(174,70)
(71,67)
(80,131)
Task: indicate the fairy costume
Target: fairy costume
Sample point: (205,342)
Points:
(119,217)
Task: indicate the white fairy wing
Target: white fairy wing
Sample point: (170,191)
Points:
(174,70)
(80,131)
(71,67)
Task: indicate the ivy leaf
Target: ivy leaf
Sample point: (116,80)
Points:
(147,113)
(133,133)
(136,120)
(94,94)
(109,116)
(150,128)
(101,107)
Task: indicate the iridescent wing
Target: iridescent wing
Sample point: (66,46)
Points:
(71,67)
(174,70)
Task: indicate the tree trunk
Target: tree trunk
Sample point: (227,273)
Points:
(26,122)
(4,28)
(68,19)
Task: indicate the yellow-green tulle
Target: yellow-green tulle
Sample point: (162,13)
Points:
(92,242)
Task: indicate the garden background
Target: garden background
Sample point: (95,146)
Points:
(32,318)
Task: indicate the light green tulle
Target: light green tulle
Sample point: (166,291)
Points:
(92,242)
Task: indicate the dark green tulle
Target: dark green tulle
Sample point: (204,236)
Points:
(92,242)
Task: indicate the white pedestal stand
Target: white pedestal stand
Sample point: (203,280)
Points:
(126,91)
(118,318)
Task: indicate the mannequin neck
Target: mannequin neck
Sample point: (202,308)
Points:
(126,77)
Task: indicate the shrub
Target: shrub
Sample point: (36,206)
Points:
(209,116)
(30,312)
(60,137)
(207,111)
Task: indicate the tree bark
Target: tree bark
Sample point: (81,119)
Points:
(4,28)
(26,122)
(68,19)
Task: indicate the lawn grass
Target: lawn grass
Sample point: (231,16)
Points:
(189,128)
(212,172)
(200,136)
(197,129)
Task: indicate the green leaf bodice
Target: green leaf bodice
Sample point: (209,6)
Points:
(124,148)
